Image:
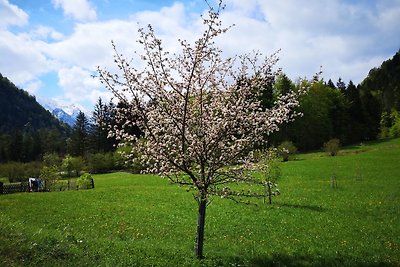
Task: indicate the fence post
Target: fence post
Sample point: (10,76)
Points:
(1,188)
(92,183)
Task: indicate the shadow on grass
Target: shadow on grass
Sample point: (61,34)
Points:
(304,207)
(310,260)
(300,260)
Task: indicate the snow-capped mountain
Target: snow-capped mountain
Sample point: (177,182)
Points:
(65,113)
(64,116)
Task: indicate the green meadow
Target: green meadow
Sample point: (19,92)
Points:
(142,220)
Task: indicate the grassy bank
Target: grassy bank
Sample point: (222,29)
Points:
(143,220)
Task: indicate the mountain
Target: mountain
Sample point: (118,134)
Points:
(64,116)
(65,113)
(20,111)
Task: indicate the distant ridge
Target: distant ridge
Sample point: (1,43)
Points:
(65,113)
(20,111)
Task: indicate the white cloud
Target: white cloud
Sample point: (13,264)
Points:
(89,45)
(44,32)
(11,15)
(341,36)
(81,10)
(21,58)
(346,37)
(79,85)
(32,86)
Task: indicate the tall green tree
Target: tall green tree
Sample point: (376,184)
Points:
(331,84)
(324,117)
(16,146)
(78,143)
(341,85)
(101,120)
(357,123)
(283,85)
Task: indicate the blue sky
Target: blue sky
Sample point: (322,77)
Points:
(51,47)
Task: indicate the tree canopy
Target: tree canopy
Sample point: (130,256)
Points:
(200,113)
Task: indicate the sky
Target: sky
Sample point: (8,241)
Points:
(51,48)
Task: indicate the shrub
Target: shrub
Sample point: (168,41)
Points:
(73,164)
(119,160)
(84,181)
(51,159)
(20,172)
(394,131)
(332,146)
(286,149)
(101,163)
(50,175)
(67,165)
(269,167)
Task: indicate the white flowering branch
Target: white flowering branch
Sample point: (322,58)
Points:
(200,113)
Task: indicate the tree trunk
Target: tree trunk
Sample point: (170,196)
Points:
(200,228)
(270,192)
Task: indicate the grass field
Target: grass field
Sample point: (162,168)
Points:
(138,220)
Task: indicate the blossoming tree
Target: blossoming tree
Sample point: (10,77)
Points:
(200,113)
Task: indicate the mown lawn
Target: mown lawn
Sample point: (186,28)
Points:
(139,220)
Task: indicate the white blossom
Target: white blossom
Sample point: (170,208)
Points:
(200,113)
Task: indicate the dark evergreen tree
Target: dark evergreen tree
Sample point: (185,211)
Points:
(338,114)
(267,97)
(283,85)
(52,141)
(78,143)
(357,124)
(5,141)
(16,146)
(331,84)
(102,120)
(372,111)
(341,85)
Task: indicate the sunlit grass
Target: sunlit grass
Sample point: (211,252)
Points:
(139,220)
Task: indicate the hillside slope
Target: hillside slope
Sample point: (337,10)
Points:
(20,111)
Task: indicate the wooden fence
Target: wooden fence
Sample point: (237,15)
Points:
(14,188)
(59,185)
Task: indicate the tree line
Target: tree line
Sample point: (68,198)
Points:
(348,112)
(89,135)
(345,112)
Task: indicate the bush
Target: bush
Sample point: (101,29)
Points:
(332,147)
(20,172)
(84,181)
(101,163)
(286,149)
(50,175)
(119,161)
(394,131)
(73,164)
(51,159)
